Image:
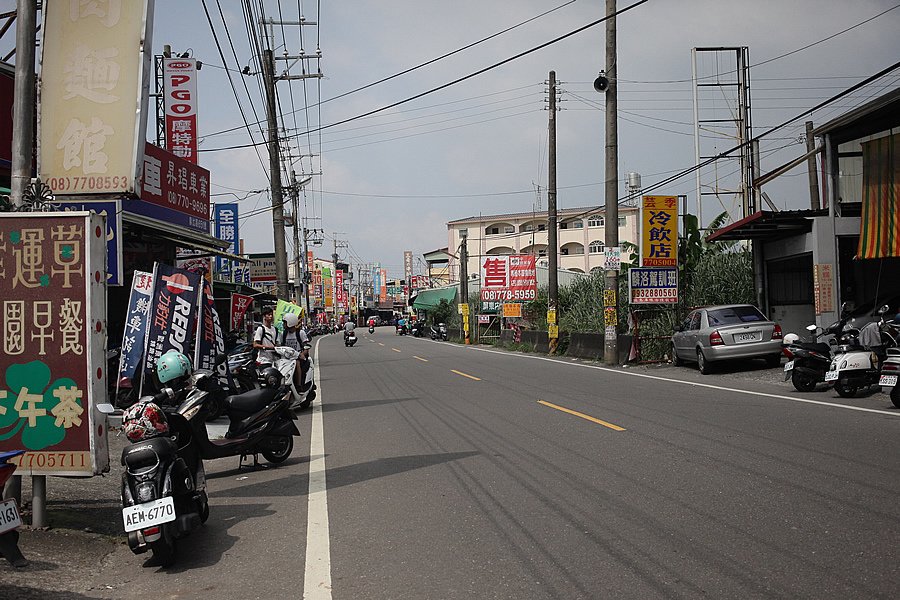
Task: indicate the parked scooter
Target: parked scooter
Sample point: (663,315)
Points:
(439,331)
(417,329)
(809,361)
(164,485)
(890,373)
(855,365)
(10,520)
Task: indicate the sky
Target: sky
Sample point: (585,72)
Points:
(391,181)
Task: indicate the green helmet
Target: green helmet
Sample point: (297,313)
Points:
(172,365)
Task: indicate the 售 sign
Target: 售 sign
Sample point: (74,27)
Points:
(508,278)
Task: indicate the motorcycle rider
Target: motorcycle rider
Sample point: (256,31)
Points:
(296,337)
(264,338)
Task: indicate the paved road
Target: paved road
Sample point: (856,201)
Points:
(458,472)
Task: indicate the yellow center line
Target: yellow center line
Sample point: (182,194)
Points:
(420,358)
(582,415)
(395,350)
(465,375)
(380,344)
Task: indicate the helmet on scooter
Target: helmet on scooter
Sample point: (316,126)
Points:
(790,339)
(291,320)
(143,421)
(270,378)
(173,365)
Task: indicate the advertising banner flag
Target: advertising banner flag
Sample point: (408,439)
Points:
(508,278)
(180,93)
(210,339)
(227,230)
(239,305)
(282,308)
(52,351)
(135,324)
(173,313)
(339,289)
(383,280)
(659,231)
(376,283)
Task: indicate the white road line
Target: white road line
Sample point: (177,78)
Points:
(317,578)
(691,383)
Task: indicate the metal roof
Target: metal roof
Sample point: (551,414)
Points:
(768,225)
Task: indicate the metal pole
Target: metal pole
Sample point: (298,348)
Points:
(281,274)
(38,501)
(23,107)
(610,339)
(813,177)
(552,252)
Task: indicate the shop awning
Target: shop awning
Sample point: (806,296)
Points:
(186,238)
(768,225)
(428,299)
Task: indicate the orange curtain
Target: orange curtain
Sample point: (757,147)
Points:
(879,234)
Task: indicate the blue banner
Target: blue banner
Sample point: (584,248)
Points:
(112,209)
(226,216)
(135,325)
(173,313)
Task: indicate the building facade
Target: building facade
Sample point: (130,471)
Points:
(581,234)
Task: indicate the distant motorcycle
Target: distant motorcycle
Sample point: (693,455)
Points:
(438,331)
(349,338)
(371,329)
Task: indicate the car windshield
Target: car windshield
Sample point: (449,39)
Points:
(734,315)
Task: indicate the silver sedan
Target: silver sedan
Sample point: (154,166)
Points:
(718,333)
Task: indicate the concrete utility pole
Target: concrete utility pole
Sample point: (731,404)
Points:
(811,163)
(552,242)
(281,272)
(610,313)
(299,280)
(464,279)
(23,108)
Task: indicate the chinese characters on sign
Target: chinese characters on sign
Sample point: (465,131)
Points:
(227,230)
(339,289)
(180,90)
(239,306)
(91,71)
(52,370)
(653,286)
(823,286)
(173,190)
(407,267)
(508,278)
(135,324)
(659,234)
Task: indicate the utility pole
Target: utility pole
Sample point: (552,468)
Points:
(811,165)
(281,273)
(23,109)
(552,252)
(611,296)
(299,279)
(464,280)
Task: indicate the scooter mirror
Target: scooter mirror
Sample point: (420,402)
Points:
(884,309)
(106,408)
(811,327)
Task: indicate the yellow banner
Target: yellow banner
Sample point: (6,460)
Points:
(659,231)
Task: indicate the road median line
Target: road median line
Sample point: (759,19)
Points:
(465,375)
(420,358)
(395,350)
(582,415)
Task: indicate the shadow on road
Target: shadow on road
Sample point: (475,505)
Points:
(248,468)
(341,476)
(29,593)
(331,407)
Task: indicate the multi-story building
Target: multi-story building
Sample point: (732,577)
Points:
(581,235)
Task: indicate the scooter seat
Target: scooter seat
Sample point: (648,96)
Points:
(146,453)
(815,347)
(250,402)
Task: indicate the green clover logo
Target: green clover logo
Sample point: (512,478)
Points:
(32,408)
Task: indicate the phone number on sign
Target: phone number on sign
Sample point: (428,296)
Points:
(99,183)
(501,295)
(654,295)
(53,461)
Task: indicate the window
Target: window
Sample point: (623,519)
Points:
(596,247)
(621,221)
(492,230)
(463,231)
(579,224)
(542,252)
(529,227)
(734,315)
(509,229)
(564,251)
(595,221)
(695,321)
(542,227)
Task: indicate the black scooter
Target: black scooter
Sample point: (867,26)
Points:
(809,361)
(439,331)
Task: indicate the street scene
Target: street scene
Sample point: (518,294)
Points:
(585,300)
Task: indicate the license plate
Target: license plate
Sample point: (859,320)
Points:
(831,376)
(9,516)
(743,338)
(788,366)
(148,514)
(888,380)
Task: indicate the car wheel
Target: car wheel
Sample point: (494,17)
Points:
(702,364)
(676,360)
(844,389)
(803,383)
(773,361)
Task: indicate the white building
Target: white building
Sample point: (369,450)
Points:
(580,237)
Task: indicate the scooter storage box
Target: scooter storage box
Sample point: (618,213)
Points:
(146,454)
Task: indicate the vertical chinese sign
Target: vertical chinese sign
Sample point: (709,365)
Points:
(180,90)
(339,290)
(52,364)
(382,278)
(135,326)
(94,76)
(407,267)
(327,289)
(227,231)
(659,231)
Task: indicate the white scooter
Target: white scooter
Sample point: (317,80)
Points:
(856,366)
(890,373)
(286,363)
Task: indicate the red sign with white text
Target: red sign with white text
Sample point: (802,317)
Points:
(508,278)
(177,185)
(180,89)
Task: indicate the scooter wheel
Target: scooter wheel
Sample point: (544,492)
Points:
(164,549)
(803,383)
(844,390)
(895,395)
(281,454)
